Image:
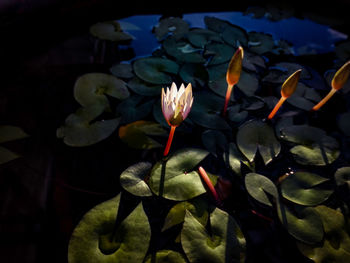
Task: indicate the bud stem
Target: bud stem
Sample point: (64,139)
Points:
(170,139)
(207,181)
(276,108)
(227,98)
(324,100)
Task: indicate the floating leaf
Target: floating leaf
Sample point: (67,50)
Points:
(214,141)
(166,256)
(137,134)
(281,71)
(199,37)
(335,247)
(123,71)
(257,135)
(343,123)
(253,62)
(79,131)
(92,239)
(144,88)
(260,43)
(225,243)
(155,70)
(196,74)
(304,224)
(206,111)
(220,53)
(109,30)
(342,176)
(175,178)
(235,115)
(7,155)
(10,133)
(305,188)
(260,187)
(133,179)
(134,108)
(304,97)
(234,159)
(92,88)
(235,36)
(174,25)
(216,24)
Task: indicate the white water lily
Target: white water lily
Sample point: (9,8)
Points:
(176,105)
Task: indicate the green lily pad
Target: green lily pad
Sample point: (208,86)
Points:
(335,247)
(79,131)
(92,239)
(206,111)
(144,88)
(342,176)
(7,155)
(10,133)
(109,30)
(174,25)
(166,256)
(260,43)
(92,88)
(225,243)
(316,148)
(220,53)
(198,207)
(234,159)
(258,186)
(199,37)
(133,179)
(155,70)
(279,72)
(134,108)
(257,135)
(343,123)
(123,71)
(175,178)
(235,36)
(182,51)
(305,188)
(194,73)
(214,141)
(304,224)
(137,134)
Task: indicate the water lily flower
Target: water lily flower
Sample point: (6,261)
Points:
(176,105)
(338,81)
(233,74)
(288,88)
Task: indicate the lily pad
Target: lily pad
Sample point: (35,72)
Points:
(257,135)
(7,155)
(10,133)
(123,71)
(279,72)
(225,243)
(260,187)
(92,88)
(134,108)
(79,131)
(144,88)
(206,111)
(343,123)
(93,240)
(253,62)
(175,178)
(216,24)
(166,256)
(342,176)
(219,53)
(304,224)
(109,30)
(175,26)
(260,43)
(199,37)
(235,36)
(137,134)
(336,244)
(304,98)
(214,141)
(155,70)
(234,159)
(133,179)
(194,73)
(305,188)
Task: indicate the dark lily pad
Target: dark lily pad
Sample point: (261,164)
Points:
(342,176)
(260,43)
(329,74)
(253,62)
(336,244)
(175,179)
(206,111)
(155,70)
(225,243)
(216,24)
(194,73)
(234,159)
(305,188)
(123,71)
(214,141)
(304,224)
(144,88)
(7,155)
(304,97)
(137,134)
(219,53)
(257,135)
(199,37)
(175,26)
(93,240)
(235,115)
(260,188)
(281,71)
(166,256)
(133,179)
(343,123)
(79,131)
(10,133)
(134,108)
(235,36)
(109,30)
(92,88)
(182,51)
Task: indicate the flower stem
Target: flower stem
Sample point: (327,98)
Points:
(170,139)
(276,108)
(324,100)
(207,181)
(227,98)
